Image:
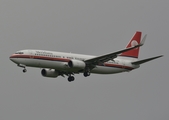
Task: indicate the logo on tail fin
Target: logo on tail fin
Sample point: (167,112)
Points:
(134,43)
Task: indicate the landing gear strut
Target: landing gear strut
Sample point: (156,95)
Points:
(71,78)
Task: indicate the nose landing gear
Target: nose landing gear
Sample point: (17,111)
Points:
(24,70)
(23,66)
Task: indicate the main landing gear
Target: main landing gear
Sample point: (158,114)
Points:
(86,73)
(23,66)
(71,78)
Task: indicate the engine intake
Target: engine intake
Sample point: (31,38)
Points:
(49,73)
(77,64)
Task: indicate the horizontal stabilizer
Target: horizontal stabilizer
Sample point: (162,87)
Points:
(146,60)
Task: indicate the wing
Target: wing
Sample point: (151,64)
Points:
(111,56)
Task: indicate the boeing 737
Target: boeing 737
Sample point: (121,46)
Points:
(56,64)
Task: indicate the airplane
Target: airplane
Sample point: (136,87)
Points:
(63,64)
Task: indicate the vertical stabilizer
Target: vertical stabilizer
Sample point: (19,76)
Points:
(134,53)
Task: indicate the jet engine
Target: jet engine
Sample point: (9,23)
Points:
(77,64)
(49,73)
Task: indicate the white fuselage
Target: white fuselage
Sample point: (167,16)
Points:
(59,61)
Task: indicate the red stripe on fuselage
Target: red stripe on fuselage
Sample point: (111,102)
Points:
(41,58)
(118,66)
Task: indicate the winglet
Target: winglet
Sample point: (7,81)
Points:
(143,40)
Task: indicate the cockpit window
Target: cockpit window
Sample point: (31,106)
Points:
(19,53)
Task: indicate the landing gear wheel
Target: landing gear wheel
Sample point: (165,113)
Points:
(71,78)
(24,70)
(86,74)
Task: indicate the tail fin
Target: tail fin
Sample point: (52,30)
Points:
(133,42)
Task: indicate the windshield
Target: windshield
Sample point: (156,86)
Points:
(19,53)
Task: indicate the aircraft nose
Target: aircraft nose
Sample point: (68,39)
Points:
(12,58)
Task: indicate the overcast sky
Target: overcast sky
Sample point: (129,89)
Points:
(91,27)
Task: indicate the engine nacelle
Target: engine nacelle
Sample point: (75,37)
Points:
(49,73)
(77,64)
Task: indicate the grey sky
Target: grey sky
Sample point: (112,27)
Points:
(91,27)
